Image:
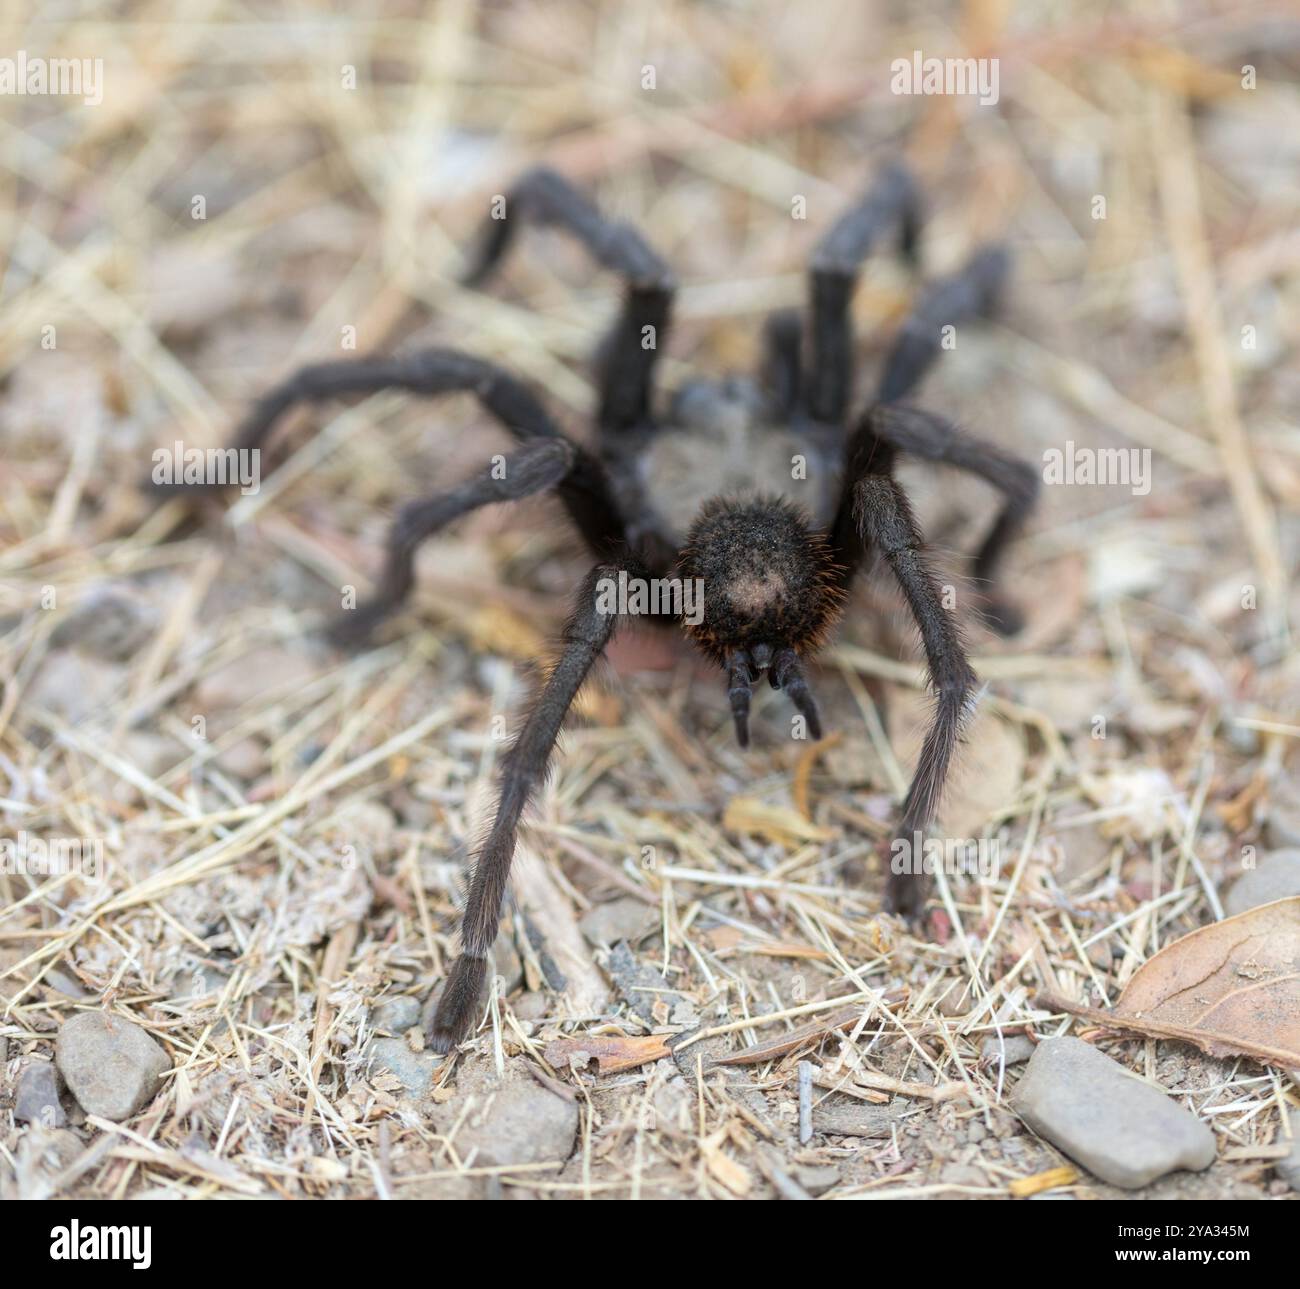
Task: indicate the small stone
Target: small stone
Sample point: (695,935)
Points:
(152,754)
(519,1123)
(1288,1169)
(109,1063)
(244,759)
(413,1070)
(955,1000)
(396,1015)
(76,687)
(1276,878)
(1284,815)
(1118,1127)
(202,981)
(962,1175)
(685,1014)
(622,919)
(65,983)
(853,762)
(112,622)
(36,1099)
(1014,1049)
(1083,850)
(816,1180)
(507,964)
(674,1107)
(250,677)
(532,1006)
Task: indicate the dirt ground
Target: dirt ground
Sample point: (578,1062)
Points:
(285,826)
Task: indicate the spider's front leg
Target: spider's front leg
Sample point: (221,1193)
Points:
(539,466)
(589,629)
(875,515)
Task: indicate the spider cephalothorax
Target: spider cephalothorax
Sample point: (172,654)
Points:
(760,492)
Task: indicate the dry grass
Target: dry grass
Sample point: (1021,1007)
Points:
(268,882)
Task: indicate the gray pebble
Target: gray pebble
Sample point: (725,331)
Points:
(519,1123)
(1284,816)
(112,622)
(622,919)
(1276,878)
(36,1098)
(1124,1130)
(962,1175)
(396,1015)
(816,1180)
(532,1006)
(414,1070)
(1014,1049)
(109,1063)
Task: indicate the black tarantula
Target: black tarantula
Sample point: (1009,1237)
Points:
(706,490)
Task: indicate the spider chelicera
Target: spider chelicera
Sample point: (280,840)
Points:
(704,494)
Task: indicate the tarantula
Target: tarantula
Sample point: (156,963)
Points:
(706,490)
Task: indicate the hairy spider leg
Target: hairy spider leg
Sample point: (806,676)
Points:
(627,356)
(876,517)
(933,438)
(538,466)
(560,465)
(589,629)
(972,291)
(891,199)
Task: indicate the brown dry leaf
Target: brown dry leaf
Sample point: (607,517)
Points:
(778,824)
(803,771)
(1231,987)
(611,1054)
